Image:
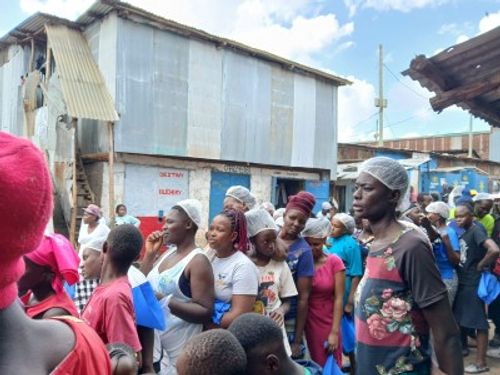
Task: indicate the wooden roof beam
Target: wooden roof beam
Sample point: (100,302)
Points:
(425,67)
(464,93)
(480,109)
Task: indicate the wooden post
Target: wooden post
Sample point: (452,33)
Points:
(74,190)
(32,56)
(111,172)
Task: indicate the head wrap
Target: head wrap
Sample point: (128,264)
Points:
(439,208)
(57,253)
(259,220)
(243,195)
(192,208)
(326,206)
(317,228)
(482,197)
(303,202)
(390,173)
(347,220)
(25,208)
(94,210)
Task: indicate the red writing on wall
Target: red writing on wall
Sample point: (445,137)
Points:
(171,174)
(170,192)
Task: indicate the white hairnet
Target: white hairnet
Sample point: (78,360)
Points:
(317,228)
(96,244)
(242,194)
(268,206)
(440,208)
(482,197)
(389,172)
(259,220)
(192,208)
(279,222)
(326,206)
(280,212)
(347,220)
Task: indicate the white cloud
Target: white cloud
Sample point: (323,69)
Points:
(462,38)
(489,22)
(356,106)
(448,28)
(292,28)
(63,8)
(387,5)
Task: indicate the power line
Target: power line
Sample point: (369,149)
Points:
(404,84)
(365,120)
(405,120)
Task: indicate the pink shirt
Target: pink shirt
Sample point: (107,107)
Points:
(110,312)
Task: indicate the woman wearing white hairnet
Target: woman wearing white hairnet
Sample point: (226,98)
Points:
(325,300)
(239,198)
(182,278)
(402,292)
(446,246)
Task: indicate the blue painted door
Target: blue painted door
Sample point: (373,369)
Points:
(220,182)
(320,189)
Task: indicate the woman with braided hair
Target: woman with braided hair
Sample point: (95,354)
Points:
(236,278)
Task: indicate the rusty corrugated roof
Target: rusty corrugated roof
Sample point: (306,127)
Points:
(83,86)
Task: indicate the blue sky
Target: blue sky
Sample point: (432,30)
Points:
(339,36)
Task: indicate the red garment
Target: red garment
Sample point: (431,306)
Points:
(303,202)
(58,300)
(320,316)
(110,311)
(25,208)
(89,355)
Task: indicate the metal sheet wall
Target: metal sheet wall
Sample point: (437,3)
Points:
(190,98)
(11,109)
(304,121)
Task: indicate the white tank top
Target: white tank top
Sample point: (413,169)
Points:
(177,331)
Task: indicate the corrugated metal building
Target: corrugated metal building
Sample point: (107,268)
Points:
(198,113)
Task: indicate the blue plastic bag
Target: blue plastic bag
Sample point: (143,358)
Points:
(220,308)
(348,335)
(489,287)
(331,367)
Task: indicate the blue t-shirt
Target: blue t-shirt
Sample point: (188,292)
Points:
(347,248)
(301,263)
(445,267)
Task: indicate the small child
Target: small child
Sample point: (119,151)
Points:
(276,283)
(110,310)
(123,359)
(214,352)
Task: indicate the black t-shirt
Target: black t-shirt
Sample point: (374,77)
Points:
(472,251)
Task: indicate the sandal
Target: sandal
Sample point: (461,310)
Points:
(475,369)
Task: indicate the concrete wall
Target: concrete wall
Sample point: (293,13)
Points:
(138,195)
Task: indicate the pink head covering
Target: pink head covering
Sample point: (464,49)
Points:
(93,209)
(57,253)
(25,208)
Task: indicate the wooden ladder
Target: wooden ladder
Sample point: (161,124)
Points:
(81,196)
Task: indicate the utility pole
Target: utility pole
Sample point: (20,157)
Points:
(380,102)
(470,137)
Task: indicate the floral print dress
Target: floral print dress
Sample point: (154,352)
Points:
(400,280)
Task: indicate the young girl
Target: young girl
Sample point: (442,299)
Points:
(52,263)
(276,284)
(236,278)
(325,302)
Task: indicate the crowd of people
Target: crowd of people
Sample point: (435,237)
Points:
(394,287)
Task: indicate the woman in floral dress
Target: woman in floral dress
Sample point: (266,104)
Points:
(401,294)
